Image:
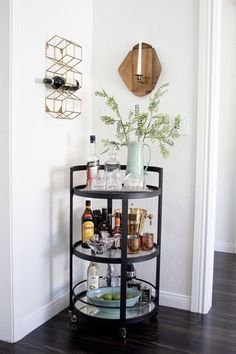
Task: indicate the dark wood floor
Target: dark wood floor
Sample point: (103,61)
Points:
(176,332)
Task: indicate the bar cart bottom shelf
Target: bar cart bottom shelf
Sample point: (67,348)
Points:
(136,314)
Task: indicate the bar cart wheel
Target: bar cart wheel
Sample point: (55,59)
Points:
(73,317)
(123,333)
(154,317)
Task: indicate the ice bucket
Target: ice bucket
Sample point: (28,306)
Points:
(136,219)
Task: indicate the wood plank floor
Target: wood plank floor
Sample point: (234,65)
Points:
(175,332)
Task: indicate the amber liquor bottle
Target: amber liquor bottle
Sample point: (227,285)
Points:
(87,222)
(116,232)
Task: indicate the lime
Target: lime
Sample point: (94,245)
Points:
(129,296)
(107,296)
(116,296)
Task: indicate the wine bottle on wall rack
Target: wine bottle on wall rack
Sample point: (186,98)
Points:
(87,222)
(58,82)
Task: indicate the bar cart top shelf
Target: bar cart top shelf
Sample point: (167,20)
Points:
(148,192)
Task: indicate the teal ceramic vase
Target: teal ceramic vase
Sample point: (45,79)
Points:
(135,171)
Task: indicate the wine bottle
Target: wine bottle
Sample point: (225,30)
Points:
(87,222)
(97,216)
(104,228)
(57,82)
(92,160)
(93,276)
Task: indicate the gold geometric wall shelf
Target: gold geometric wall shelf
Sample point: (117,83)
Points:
(63,57)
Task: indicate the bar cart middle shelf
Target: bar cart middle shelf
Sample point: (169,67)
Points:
(79,305)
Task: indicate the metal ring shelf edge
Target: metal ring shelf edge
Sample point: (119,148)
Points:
(85,280)
(128,320)
(116,320)
(130,259)
(123,167)
(152,191)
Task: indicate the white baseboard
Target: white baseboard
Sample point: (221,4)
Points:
(46,312)
(225,247)
(178,301)
(42,315)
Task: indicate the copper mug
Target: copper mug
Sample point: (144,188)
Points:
(133,244)
(147,241)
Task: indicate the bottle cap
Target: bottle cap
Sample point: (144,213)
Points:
(88,203)
(47,81)
(92,138)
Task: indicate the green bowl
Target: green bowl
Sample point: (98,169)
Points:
(111,306)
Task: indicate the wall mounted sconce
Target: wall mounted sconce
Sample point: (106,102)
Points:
(141,69)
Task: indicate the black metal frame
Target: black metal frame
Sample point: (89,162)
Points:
(153,191)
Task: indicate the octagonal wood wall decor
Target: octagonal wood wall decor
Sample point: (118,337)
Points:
(150,67)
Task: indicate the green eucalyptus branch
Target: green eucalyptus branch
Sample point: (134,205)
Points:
(121,132)
(152,125)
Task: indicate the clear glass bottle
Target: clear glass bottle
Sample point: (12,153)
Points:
(92,160)
(112,279)
(93,276)
(112,170)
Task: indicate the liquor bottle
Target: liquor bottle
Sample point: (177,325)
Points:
(87,224)
(112,279)
(131,277)
(57,82)
(93,276)
(92,160)
(97,216)
(116,231)
(104,228)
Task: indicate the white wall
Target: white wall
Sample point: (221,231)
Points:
(5,239)
(43,149)
(226,190)
(171,27)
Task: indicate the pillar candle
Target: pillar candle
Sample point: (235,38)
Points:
(139,66)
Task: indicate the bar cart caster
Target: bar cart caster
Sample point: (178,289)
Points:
(73,317)
(123,333)
(154,317)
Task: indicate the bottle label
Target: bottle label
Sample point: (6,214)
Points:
(93,282)
(92,169)
(88,231)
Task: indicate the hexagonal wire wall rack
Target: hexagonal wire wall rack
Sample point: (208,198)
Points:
(63,57)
